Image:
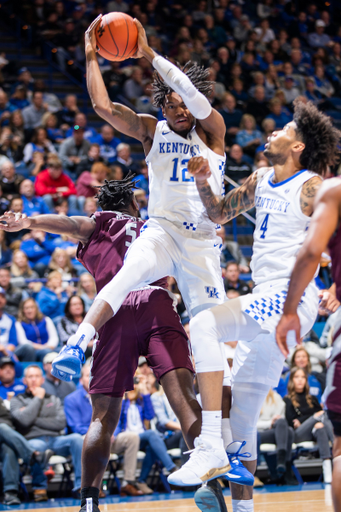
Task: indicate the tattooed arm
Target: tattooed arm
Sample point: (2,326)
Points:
(239,200)
(123,119)
(308,194)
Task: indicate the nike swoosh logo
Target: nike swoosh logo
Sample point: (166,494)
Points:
(165,133)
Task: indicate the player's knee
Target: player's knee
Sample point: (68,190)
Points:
(200,326)
(318,425)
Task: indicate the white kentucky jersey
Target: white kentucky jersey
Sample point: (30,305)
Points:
(173,192)
(280,226)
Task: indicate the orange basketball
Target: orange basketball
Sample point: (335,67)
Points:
(116,36)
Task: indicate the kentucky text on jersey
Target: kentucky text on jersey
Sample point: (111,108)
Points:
(179,147)
(271,204)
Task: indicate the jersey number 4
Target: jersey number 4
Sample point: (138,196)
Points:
(131,231)
(264,226)
(174,176)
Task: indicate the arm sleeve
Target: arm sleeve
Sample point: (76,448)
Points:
(195,101)
(52,333)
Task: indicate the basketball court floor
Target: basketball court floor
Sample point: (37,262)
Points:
(313,497)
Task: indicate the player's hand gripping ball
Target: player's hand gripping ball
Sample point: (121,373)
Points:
(116,36)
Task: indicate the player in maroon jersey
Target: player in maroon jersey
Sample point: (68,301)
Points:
(324,230)
(146,324)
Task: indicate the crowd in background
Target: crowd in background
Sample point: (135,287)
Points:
(261,56)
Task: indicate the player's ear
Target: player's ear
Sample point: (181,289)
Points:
(298,147)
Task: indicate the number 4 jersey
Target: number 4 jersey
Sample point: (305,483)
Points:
(280,226)
(104,253)
(173,193)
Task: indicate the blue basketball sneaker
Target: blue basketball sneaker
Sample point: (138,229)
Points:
(68,363)
(238,473)
(210,498)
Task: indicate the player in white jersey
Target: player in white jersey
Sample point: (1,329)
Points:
(179,239)
(283,197)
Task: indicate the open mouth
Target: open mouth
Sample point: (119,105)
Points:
(181,121)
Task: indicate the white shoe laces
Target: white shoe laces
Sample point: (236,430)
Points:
(199,451)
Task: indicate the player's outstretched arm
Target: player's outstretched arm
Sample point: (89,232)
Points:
(323,224)
(139,126)
(80,228)
(239,200)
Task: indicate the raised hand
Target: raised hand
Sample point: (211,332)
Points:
(144,49)
(199,168)
(287,323)
(329,303)
(14,221)
(90,37)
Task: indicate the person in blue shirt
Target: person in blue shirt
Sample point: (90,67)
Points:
(301,359)
(278,114)
(39,249)
(8,381)
(32,205)
(81,122)
(107,143)
(8,334)
(52,298)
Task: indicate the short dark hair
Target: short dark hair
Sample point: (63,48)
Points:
(320,137)
(116,194)
(231,262)
(197,74)
(67,307)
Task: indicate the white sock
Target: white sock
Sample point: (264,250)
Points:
(85,333)
(211,427)
(327,471)
(226,432)
(242,505)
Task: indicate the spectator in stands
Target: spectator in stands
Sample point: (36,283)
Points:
(86,289)
(257,106)
(290,90)
(21,270)
(52,385)
(13,295)
(90,206)
(78,412)
(242,28)
(301,359)
(50,100)
(305,415)
(50,123)
(25,78)
(278,114)
(88,182)
(13,447)
(136,409)
(318,38)
(66,116)
(248,137)
(38,248)
(231,252)
(144,103)
(40,417)
(323,85)
(8,335)
(124,159)
(232,117)
(273,428)
(93,157)
(37,164)
(5,252)
(142,201)
(133,88)
(10,145)
(168,424)
(60,260)
(232,281)
(33,114)
(143,177)
(52,297)
(66,43)
(32,205)
(5,108)
(10,385)
(74,150)
(53,183)
(13,239)
(36,333)
(16,124)
(312,93)
(9,180)
(19,98)
(74,313)
(39,142)
(236,167)
(107,143)
(82,122)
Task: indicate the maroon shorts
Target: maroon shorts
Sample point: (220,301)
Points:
(145,325)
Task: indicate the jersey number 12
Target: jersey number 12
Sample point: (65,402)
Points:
(264,226)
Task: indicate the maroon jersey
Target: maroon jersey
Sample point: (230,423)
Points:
(335,254)
(104,253)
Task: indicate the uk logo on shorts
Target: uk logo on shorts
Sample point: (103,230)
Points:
(212,292)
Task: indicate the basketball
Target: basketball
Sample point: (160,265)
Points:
(116,36)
